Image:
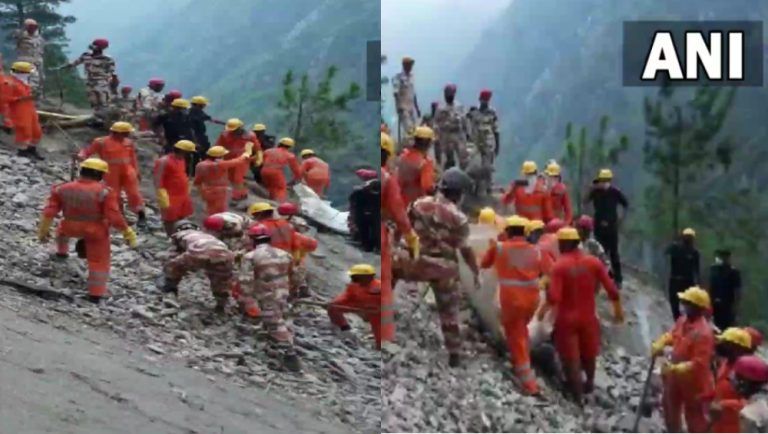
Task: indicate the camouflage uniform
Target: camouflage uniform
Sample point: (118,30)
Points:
(120,109)
(405,95)
(451,127)
(99,70)
(265,275)
(148,105)
(442,229)
(233,234)
(484,127)
(204,252)
(594,248)
(30,48)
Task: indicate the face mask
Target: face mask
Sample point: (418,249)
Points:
(605,185)
(531,183)
(21,76)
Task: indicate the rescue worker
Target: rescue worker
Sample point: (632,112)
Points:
(89,210)
(100,72)
(452,131)
(589,244)
(266,141)
(484,125)
(234,139)
(6,82)
(724,289)
(529,195)
(272,170)
(119,151)
(442,230)
(405,100)
(755,337)
(488,217)
(606,199)
(415,170)
(572,291)
(172,185)
(534,229)
(199,251)
(265,275)
(518,264)
(686,375)
(30,47)
(315,172)
(362,297)
(558,193)
(148,102)
(683,267)
(731,395)
(290,212)
(392,211)
(364,211)
(731,344)
(198,117)
(23,114)
(176,124)
(212,177)
(548,243)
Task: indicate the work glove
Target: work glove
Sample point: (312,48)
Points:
(162,198)
(44,229)
(677,368)
(412,241)
(297,255)
(130,237)
(258,159)
(543,282)
(618,312)
(657,347)
(248,149)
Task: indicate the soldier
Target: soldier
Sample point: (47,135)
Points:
(485,136)
(148,102)
(100,72)
(452,131)
(405,100)
(265,275)
(199,117)
(29,48)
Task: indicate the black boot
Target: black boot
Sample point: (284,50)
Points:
(141,223)
(32,152)
(23,153)
(95,299)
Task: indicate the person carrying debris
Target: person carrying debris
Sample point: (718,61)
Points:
(198,117)
(172,185)
(484,125)
(119,152)
(89,210)
(100,72)
(405,100)
(452,131)
(30,47)
(148,102)
(273,169)
(724,289)
(315,172)
(23,114)
(558,193)
(606,199)
(415,170)
(198,250)
(731,394)
(683,267)
(589,244)
(212,177)
(265,275)
(442,230)
(362,297)
(529,195)
(519,265)
(686,375)
(234,139)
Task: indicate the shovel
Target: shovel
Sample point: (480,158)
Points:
(646,386)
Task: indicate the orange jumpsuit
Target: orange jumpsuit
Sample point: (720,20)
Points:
(561,203)
(272,175)
(89,209)
(357,296)
(212,178)
(692,341)
(548,245)
(316,174)
(519,266)
(5,92)
(120,154)
(393,210)
(534,205)
(236,146)
(731,402)
(171,174)
(23,113)
(416,175)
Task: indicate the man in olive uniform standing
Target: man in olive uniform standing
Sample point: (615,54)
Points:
(100,74)
(485,135)
(452,131)
(405,100)
(29,48)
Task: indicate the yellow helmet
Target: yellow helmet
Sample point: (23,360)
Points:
(697,296)
(387,143)
(306,153)
(568,234)
(736,336)
(217,151)
(689,232)
(24,67)
(424,132)
(487,216)
(605,174)
(180,103)
(233,124)
(553,169)
(185,145)
(516,221)
(287,141)
(121,127)
(258,207)
(199,100)
(533,225)
(362,270)
(529,168)
(259,127)
(96,164)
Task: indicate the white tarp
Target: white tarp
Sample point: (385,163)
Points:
(320,211)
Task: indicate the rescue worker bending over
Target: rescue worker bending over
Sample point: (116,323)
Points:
(272,171)
(315,172)
(362,297)
(234,139)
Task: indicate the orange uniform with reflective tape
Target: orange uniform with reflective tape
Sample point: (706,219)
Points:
(285,237)
(272,172)
(549,246)
(5,93)
(235,144)
(212,179)
(533,205)
(415,174)
(171,174)
(120,154)
(357,296)
(89,209)
(316,174)
(561,203)
(23,114)
(731,402)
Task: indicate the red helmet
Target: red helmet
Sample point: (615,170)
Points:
(126,89)
(259,231)
(156,81)
(214,223)
(751,368)
(287,208)
(366,174)
(450,88)
(757,337)
(100,43)
(174,94)
(554,225)
(485,95)
(585,222)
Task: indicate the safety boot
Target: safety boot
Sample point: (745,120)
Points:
(95,299)
(23,153)
(141,223)
(32,152)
